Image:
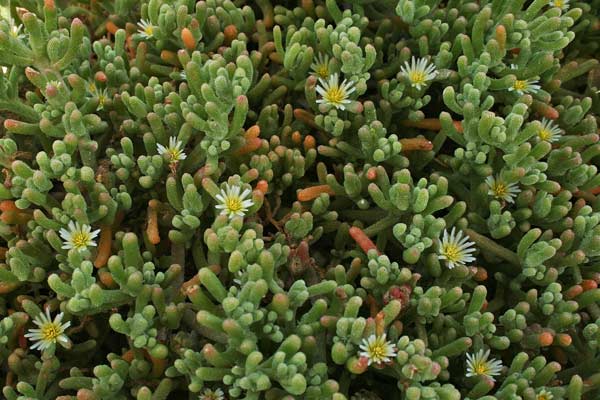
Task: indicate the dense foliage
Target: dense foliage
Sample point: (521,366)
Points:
(315,199)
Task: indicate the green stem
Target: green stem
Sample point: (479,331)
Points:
(380,225)
(20,108)
(374,215)
(489,245)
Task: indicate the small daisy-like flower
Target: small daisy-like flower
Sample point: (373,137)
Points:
(502,190)
(548,131)
(333,93)
(79,236)
(320,65)
(525,86)
(49,84)
(174,151)
(544,395)
(183,76)
(49,332)
(419,71)
(478,364)
(377,350)
(102,96)
(562,4)
(238,278)
(210,394)
(146,29)
(233,203)
(456,248)
(91,88)
(94,91)
(15,30)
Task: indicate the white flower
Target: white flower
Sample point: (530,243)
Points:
(377,350)
(15,30)
(548,131)
(419,71)
(544,395)
(174,151)
(146,29)
(91,88)
(233,203)
(102,96)
(502,190)
(333,93)
(78,236)
(525,86)
(49,84)
(320,65)
(478,364)
(210,394)
(456,248)
(183,76)
(49,332)
(562,4)
(239,275)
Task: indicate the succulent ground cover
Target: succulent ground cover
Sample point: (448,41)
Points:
(315,199)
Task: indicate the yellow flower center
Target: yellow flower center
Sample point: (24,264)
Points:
(101,100)
(149,30)
(481,369)
(545,134)
(174,154)
(417,77)
(50,331)
(234,204)
(80,239)
(500,189)
(542,396)
(452,252)
(520,85)
(557,3)
(92,88)
(322,71)
(335,95)
(377,351)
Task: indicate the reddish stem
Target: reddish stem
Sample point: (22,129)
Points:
(362,240)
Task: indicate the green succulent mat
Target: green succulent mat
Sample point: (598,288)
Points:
(309,200)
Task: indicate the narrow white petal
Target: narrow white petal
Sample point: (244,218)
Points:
(245,194)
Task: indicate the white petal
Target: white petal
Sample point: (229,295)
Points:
(63,339)
(245,194)
(65,234)
(37,345)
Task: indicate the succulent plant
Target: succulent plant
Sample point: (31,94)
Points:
(316,199)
